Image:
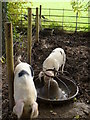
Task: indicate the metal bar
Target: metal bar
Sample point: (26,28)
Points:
(37,25)
(66,22)
(51,15)
(62,19)
(40,16)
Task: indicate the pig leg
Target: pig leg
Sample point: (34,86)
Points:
(62,68)
(18,108)
(64,60)
(34,112)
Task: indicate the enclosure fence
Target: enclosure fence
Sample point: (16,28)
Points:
(64,19)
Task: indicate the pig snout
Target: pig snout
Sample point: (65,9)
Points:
(48,75)
(45,75)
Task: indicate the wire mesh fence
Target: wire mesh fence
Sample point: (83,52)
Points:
(63,19)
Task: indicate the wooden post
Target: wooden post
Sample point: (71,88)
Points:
(9,60)
(29,34)
(37,25)
(40,16)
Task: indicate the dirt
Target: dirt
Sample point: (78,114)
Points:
(77,65)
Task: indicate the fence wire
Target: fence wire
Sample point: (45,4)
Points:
(49,19)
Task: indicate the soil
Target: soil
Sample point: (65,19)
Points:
(77,65)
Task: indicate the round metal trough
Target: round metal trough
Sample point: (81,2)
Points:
(68,86)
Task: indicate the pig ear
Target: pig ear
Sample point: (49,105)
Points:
(41,74)
(18,109)
(32,72)
(34,112)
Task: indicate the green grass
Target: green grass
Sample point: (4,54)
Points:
(62,5)
(62,20)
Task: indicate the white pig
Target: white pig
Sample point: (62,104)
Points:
(55,60)
(25,93)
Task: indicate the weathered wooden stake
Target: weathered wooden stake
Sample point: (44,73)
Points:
(29,34)
(9,60)
(37,26)
(40,16)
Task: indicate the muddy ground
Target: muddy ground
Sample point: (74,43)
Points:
(77,65)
